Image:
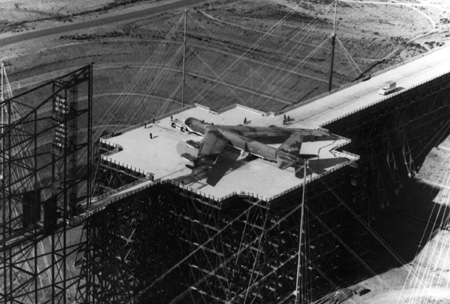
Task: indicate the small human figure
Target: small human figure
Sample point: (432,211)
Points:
(284,117)
(245,120)
(145,125)
(153,120)
(288,118)
(171,117)
(151,135)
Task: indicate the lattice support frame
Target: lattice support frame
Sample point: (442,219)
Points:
(393,137)
(43,184)
(235,251)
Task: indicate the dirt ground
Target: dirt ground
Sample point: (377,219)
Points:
(266,54)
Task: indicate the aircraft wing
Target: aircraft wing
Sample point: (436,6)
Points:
(211,147)
(291,149)
(213,143)
(293,144)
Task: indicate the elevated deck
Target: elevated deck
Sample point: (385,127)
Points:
(349,99)
(158,155)
(158,159)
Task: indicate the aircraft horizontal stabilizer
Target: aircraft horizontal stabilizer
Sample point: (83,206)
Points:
(308,156)
(283,163)
(319,166)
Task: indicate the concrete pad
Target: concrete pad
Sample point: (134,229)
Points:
(257,177)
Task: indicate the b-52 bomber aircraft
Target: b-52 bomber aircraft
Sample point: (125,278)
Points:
(252,140)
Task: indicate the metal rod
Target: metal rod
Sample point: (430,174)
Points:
(9,290)
(4,199)
(89,143)
(330,80)
(299,283)
(335,12)
(184,60)
(2,99)
(2,67)
(333,43)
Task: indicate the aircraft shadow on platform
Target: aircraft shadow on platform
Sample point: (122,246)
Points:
(227,161)
(319,166)
(230,160)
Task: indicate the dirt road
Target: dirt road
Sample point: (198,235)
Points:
(97,22)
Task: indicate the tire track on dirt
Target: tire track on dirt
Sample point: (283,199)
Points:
(45,77)
(97,22)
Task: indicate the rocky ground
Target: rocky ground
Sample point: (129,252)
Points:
(266,54)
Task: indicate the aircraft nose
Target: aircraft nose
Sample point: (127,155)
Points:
(195,125)
(188,122)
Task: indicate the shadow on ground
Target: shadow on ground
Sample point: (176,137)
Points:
(398,233)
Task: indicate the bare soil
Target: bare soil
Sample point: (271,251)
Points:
(264,54)
(22,15)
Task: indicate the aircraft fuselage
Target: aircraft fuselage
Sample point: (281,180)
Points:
(249,139)
(249,145)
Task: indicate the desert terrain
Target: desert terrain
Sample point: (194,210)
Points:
(265,54)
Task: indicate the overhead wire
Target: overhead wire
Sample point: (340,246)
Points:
(263,234)
(321,44)
(136,80)
(241,58)
(221,75)
(265,79)
(427,259)
(439,256)
(291,53)
(221,80)
(200,247)
(399,259)
(115,107)
(299,43)
(353,63)
(347,247)
(275,224)
(429,250)
(428,268)
(20,174)
(159,79)
(136,110)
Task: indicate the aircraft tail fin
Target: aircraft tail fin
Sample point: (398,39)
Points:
(293,144)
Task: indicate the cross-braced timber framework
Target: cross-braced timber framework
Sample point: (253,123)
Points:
(394,136)
(45,164)
(114,175)
(192,249)
(169,245)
